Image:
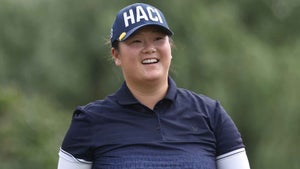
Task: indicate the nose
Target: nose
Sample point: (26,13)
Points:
(149,47)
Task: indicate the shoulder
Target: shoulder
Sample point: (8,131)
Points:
(86,120)
(95,108)
(196,100)
(226,133)
(92,106)
(193,95)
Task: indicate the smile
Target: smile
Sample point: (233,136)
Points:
(150,61)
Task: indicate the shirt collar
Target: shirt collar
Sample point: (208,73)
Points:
(125,97)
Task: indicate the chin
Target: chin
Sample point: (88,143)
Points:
(155,77)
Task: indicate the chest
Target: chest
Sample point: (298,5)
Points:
(163,124)
(159,138)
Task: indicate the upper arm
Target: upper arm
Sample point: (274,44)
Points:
(228,137)
(231,153)
(78,139)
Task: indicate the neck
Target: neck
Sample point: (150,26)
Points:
(149,94)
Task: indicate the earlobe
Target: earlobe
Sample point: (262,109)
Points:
(117,62)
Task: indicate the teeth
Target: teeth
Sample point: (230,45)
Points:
(148,61)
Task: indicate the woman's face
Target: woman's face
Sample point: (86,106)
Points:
(144,56)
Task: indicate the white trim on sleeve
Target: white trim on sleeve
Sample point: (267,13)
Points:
(236,159)
(67,161)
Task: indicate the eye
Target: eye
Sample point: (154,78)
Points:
(159,38)
(133,42)
(136,41)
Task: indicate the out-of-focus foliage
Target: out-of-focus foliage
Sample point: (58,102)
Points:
(31,129)
(54,56)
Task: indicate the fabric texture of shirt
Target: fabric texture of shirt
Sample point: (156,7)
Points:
(185,130)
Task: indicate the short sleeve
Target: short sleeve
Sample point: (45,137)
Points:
(228,138)
(77,141)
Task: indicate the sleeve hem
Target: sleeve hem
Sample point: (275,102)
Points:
(231,153)
(69,157)
(236,159)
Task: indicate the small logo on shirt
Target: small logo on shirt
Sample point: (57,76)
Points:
(195,128)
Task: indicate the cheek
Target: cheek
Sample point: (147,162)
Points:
(127,59)
(167,52)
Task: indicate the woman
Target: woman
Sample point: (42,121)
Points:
(149,122)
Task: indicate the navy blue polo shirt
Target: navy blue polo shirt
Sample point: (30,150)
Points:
(185,130)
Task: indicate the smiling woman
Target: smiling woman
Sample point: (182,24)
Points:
(149,122)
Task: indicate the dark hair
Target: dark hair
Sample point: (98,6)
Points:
(115,44)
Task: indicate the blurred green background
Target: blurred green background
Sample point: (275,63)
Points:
(54,56)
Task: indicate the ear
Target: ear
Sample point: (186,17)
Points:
(116,56)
